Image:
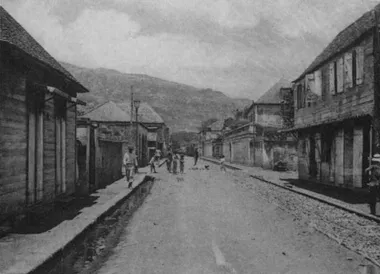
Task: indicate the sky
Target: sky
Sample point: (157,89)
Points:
(239,47)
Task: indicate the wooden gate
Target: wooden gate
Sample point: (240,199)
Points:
(111,160)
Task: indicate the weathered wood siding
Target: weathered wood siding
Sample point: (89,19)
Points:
(354,101)
(49,151)
(13,140)
(70,149)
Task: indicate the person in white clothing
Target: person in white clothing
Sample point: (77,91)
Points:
(129,162)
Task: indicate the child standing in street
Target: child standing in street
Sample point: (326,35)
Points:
(182,163)
(175,163)
(222,163)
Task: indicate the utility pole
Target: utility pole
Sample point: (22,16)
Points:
(131,122)
(376,111)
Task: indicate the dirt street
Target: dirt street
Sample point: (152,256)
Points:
(203,222)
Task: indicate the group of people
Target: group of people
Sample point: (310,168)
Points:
(175,159)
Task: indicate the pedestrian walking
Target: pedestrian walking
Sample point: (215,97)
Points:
(223,163)
(182,163)
(175,162)
(169,161)
(196,156)
(374,183)
(129,162)
(152,165)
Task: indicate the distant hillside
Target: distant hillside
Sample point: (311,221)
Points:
(182,107)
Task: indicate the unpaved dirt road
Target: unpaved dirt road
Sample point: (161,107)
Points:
(205,222)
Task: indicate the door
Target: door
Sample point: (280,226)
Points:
(35,146)
(60,146)
(312,161)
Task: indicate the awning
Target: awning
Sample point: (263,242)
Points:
(325,122)
(64,95)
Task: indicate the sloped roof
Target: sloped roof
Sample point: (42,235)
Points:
(273,95)
(11,32)
(344,39)
(218,125)
(108,112)
(146,113)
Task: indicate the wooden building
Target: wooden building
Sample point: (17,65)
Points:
(158,132)
(336,107)
(37,123)
(113,135)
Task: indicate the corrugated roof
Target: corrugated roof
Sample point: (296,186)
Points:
(13,33)
(146,113)
(273,95)
(344,39)
(108,112)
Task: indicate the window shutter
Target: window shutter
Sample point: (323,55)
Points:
(340,70)
(331,78)
(359,65)
(348,70)
(318,82)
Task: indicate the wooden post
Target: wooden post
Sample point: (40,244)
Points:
(358,156)
(58,165)
(63,155)
(88,154)
(376,110)
(31,157)
(339,156)
(40,156)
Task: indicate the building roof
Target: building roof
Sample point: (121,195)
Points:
(108,112)
(344,39)
(146,113)
(273,95)
(218,125)
(12,33)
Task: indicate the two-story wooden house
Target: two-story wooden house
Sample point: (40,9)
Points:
(335,107)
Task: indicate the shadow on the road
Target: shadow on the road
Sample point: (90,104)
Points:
(343,194)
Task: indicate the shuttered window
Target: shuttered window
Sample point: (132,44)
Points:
(354,68)
(340,74)
(300,97)
(332,78)
(359,65)
(348,70)
(318,82)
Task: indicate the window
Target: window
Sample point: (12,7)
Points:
(348,70)
(359,65)
(340,75)
(354,66)
(300,97)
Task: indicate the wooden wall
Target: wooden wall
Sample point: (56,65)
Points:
(14,131)
(357,100)
(13,140)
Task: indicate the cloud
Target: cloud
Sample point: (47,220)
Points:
(237,46)
(229,14)
(110,38)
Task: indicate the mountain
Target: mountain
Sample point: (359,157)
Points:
(182,107)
